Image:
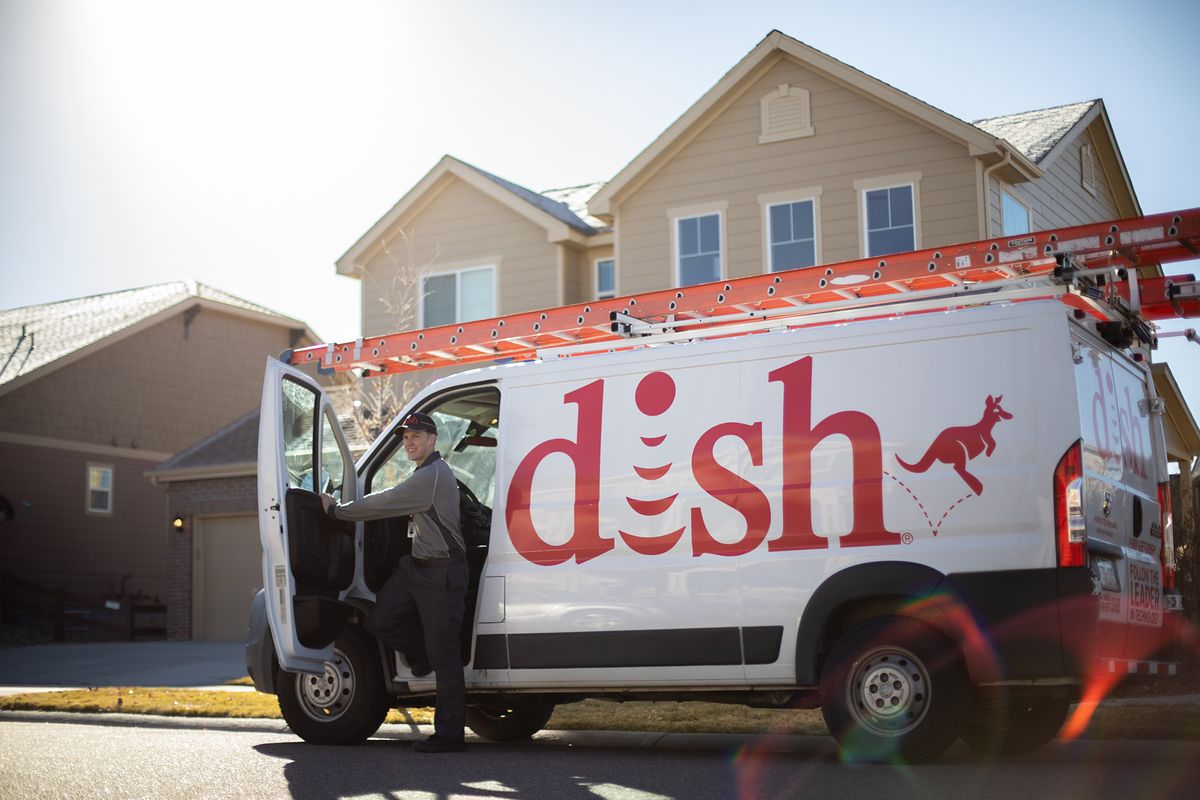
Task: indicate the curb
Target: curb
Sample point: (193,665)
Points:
(726,742)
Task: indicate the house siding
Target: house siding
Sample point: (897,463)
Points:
(54,542)
(1058,199)
(855,138)
(157,390)
(461,227)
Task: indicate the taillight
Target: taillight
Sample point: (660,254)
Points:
(1166,552)
(1070,536)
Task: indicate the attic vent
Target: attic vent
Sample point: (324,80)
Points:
(785,114)
(1087,168)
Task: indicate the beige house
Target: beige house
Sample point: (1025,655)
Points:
(793,159)
(94,393)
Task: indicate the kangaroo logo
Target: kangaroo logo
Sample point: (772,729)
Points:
(956,446)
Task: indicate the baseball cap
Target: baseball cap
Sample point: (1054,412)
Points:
(419,422)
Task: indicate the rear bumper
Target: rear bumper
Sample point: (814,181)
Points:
(1028,624)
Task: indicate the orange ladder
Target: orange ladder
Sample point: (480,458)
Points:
(1092,267)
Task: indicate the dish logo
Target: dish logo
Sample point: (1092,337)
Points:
(655,395)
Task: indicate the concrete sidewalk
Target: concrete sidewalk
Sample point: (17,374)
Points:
(121,664)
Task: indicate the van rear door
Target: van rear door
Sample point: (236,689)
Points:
(308,558)
(1120,502)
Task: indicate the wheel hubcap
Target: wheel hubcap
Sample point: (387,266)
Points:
(889,691)
(326,697)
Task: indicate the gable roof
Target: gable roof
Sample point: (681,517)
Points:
(1036,133)
(40,338)
(556,207)
(576,198)
(761,58)
(557,211)
(229,452)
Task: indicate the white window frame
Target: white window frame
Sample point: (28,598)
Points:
(767,201)
(864,185)
(1016,201)
(596,278)
(676,215)
(457,272)
(87,488)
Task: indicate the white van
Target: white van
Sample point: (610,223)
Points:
(930,526)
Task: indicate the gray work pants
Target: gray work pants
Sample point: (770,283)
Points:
(419,611)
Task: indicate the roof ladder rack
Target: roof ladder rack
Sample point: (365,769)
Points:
(1093,268)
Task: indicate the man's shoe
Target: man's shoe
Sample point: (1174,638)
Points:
(436,744)
(419,667)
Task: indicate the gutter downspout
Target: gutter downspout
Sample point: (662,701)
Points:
(985,217)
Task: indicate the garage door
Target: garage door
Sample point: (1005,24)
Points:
(227,573)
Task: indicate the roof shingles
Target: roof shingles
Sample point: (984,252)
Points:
(1035,133)
(34,336)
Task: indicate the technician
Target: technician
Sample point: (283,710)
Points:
(419,611)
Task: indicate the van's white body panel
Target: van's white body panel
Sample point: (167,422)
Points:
(716,485)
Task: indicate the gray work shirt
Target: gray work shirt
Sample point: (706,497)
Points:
(431,489)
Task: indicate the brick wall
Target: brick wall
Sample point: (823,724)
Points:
(189,499)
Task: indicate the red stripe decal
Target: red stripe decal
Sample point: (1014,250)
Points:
(651,508)
(653,441)
(652,473)
(651,545)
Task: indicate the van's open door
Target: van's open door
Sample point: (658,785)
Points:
(308,558)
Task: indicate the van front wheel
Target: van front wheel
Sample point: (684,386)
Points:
(500,724)
(345,704)
(893,689)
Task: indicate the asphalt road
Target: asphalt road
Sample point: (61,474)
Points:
(84,756)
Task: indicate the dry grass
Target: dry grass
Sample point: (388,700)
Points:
(687,717)
(1112,722)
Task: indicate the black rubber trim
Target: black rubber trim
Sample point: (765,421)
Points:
(761,644)
(659,648)
(491,652)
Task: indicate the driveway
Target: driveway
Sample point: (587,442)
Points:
(121,664)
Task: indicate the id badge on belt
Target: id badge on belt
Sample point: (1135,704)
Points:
(412,528)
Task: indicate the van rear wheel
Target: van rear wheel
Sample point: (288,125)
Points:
(893,689)
(1020,728)
(345,704)
(501,724)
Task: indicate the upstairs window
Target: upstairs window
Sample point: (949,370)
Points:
(1014,217)
(606,278)
(99,489)
(459,296)
(698,249)
(792,235)
(890,217)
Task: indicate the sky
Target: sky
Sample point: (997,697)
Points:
(249,144)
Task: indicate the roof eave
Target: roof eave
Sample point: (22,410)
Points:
(1177,407)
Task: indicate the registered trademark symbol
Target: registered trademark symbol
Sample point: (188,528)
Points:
(906,538)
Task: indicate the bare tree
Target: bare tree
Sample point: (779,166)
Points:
(378,400)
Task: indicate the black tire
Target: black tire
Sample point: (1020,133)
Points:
(347,704)
(893,689)
(499,724)
(1018,728)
